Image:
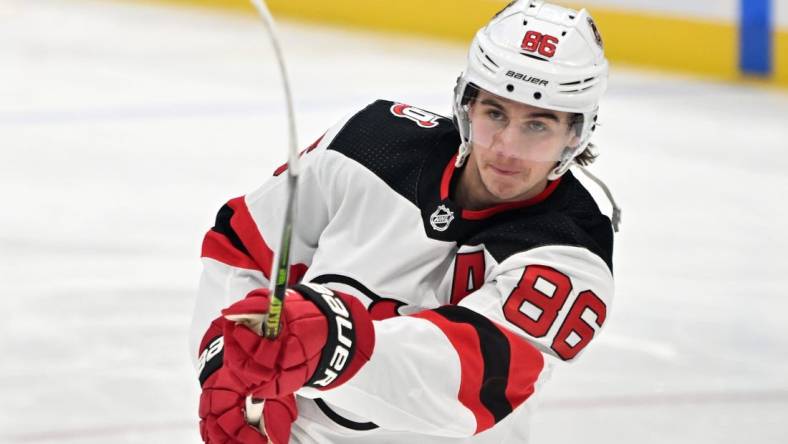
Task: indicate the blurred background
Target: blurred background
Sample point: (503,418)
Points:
(125,125)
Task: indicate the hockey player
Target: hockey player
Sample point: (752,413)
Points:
(442,266)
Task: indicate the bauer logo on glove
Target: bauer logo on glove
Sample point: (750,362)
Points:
(326,338)
(341,331)
(210,359)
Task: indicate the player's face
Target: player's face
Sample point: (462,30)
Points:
(515,146)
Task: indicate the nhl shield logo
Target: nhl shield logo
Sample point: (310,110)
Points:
(441,218)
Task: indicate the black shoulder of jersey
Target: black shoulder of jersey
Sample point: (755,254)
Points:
(570,216)
(394,141)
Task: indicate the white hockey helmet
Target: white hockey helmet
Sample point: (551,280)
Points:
(542,55)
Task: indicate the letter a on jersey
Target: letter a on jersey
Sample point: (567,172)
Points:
(468,275)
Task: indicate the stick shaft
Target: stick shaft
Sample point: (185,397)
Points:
(280,268)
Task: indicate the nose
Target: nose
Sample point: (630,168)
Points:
(505,143)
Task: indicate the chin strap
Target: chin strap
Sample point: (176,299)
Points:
(616,219)
(466,135)
(560,170)
(462,154)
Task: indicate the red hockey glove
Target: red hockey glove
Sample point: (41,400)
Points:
(325,338)
(225,409)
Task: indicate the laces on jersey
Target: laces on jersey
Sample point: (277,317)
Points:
(616,219)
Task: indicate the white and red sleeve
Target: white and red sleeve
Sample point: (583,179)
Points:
(556,297)
(458,370)
(238,251)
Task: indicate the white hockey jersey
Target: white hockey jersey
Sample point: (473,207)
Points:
(460,297)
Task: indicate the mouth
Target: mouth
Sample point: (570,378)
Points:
(502,171)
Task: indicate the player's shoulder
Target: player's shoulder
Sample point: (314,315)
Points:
(393,141)
(570,216)
(385,125)
(401,115)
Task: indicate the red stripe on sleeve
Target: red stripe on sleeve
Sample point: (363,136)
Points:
(525,365)
(282,168)
(216,246)
(245,227)
(297,271)
(465,341)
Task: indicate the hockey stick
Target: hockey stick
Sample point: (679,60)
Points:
(280,267)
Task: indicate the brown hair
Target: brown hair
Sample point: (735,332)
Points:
(589,155)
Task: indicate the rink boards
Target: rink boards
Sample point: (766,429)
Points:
(743,40)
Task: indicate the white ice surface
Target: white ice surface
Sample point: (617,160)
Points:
(124,128)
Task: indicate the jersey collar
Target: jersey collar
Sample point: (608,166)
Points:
(446,180)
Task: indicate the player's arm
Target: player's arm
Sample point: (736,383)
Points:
(237,259)
(459,370)
(452,371)
(556,297)
(238,250)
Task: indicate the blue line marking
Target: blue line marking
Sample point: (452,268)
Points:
(755,37)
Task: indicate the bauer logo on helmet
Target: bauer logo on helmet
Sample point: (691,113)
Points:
(527,78)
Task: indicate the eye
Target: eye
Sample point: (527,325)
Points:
(536,126)
(495,115)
